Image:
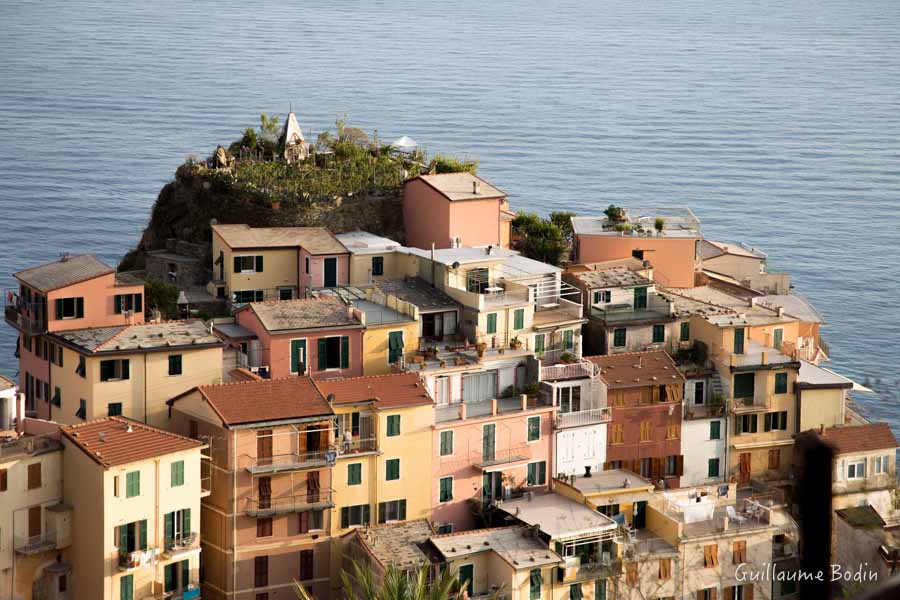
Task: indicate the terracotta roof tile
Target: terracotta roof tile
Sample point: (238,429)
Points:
(258,401)
(387,391)
(848,439)
(113,441)
(637,369)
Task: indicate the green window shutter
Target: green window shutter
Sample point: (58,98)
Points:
(169,577)
(295,363)
(395,346)
(402,510)
(445,489)
(177,473)
(393,425)
(685,331)
(781,383)
(345,352)
(123,538)
(542,473)
(713,468)
(619,337)
(143,545)
(259,264)
(175,364)
(535,581)
(237,264)
(779,338)
(366,511)
(170,527)
(392,469)
(492,323)
(381,507)
(767,422)
(117,304)
(599,589)
(79,308)
(354,474)
(446,443)
(185,572)
(345,517)
(714,430)
(126,369)
(322,354)
(519,319)
(532,473)
(659,334)
(138,303)
(539,343)
(186,515)
(534,428)
(59,309)
(126,587)
(640,297)
(568,339)
(739,340)
(744,385)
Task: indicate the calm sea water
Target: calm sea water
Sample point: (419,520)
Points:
(778,122)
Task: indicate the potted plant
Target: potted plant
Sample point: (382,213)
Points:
(616,214)
(443,363)
(567,357)
(515,343)
(481,348)
(659,224)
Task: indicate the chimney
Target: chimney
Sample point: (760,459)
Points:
(489,250)
(752,301)
(476,187)
(780,311)
(587,470)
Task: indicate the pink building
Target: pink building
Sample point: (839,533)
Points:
(74,292)
(320,337)
(454,209)
(480,456)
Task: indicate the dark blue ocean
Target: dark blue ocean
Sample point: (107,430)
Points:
(778,122)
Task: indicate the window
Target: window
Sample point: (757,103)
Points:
(126,587)
(646,468)
(261,571)
(739,340)
(395,346)
(882,464)
(712,467)
(575,592)
(177,475)
(535,581)
(659,334)
(264,527)
(618,433)
(193,429)
(81,368)
(446,443)
(856,469)
(176,576)
(537,473)
(519,318)
(394,510)
(646,431)
(492,323)
(477,280)
(70,308)
(739,552)
(243,296)
(781,383)
(56,400)
(539,343)
(774,459)
(445,489)
(671,466)
(306,564)
(354,474)
(599,589)
(685,331)
(744,385)
(4,480)
(640,298)
(124,302)
(570,399)
(174,364)
(711,556)
(631,574)
(81,413)
(114,370)
(310,520)
(114,409)
(672,432)
(745,424)
(377,265)
(534,429)
(775,421)
(306,265)
(602,296)
(665,568)
(619,337)
(445,528)
(132,484)
(715,430)
(248,264)
(779,338)
(333,352)
(392,469)
(34,476)
(393,425)
(466,575)
(352,516)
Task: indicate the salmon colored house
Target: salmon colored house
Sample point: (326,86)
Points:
(267,521)
(455,209)
(671,250)
(320,337)
(644,391)
(74,292)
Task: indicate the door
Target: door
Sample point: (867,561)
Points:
(330,272)
(265,492)
(492,486)
(698,392)
(298,357)
(312,486)
(313,438)
(34,521)
(488,442)
(264,447)
(442,390)
(639,516)
(467,576)
(745,468)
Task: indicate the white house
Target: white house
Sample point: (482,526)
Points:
(703,432)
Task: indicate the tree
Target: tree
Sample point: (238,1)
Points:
(616,214)
(441,163)
(396,584)
(539,238)
(563,220)
(268,126)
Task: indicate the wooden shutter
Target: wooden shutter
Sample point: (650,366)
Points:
(748,591)
(345,352)
(345,517)
(402,510)
(655,468)
(679,465)
(322,351)
(631,573)
(259,264)
(3,480)
(59,308)
(381,506)
(186,521)
(143,537)
(34,476)
(170,526)
(774,459)
(126,369)
(738,552)
(304,521)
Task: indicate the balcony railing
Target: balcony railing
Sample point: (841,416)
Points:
(574,370)
(180,544)
(592,416)
(484,460)
(576,571)
(137,558)
(35,543)
(293,461)
(756,403)
(27,320)
(262,506)
(192,592)
(31,445)
(356,445)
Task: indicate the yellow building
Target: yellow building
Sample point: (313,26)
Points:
(129,370)
(34,523)
(135,494)
(374,258)
(383,437)
(610,492)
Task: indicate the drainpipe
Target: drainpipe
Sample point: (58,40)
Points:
(145,386)
(50,385)
(156,522)
(234,471)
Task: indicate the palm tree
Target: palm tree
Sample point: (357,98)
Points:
(397,584)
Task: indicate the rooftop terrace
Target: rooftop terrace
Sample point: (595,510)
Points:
(679,222)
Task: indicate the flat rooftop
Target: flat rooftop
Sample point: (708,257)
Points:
(559,517)
(680,222)
(516,545)
(419,293)
(710,249)
(609,481)
(737,311)
(363,242)
(397,544)
(637,369)
(614,277)
(375,313)
(464,254)
(815,376)
(135,338)
(793,305)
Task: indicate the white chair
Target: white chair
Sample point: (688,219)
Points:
(732,514)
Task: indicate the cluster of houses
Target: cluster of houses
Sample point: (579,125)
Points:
(621,428)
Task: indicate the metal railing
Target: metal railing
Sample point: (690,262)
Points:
(264,506)
(23,320)
(35,543)
(591,416)
(285,462)
(137,558)
(356,446)
(190,593)
(574,370)
(480,458)
(181,542)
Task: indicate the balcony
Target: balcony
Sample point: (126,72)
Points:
(35,544)
(26,318)
(261,506)
(180,544)
(703,411)
(136,559)
(759,356)
(576,571)
(487,408)
(575,370)
(592,416)
(756,403)
(497,458)
(356,446)
(556,313)
(192,592)
(280,463)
